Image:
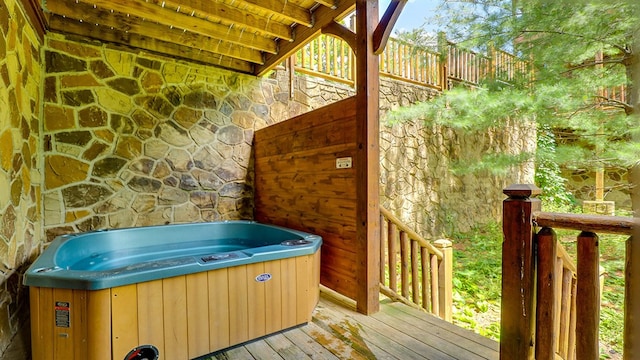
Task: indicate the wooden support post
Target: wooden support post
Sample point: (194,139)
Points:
(443,47)
(517,312)
(367,162)
(383,239)
(392,254)
(588,291)
(546,309)
(445,279)
(632,272)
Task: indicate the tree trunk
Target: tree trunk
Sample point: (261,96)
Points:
(633,74)
(632,286)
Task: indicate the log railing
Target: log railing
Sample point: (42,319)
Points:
(331,58)
(466,66)
(414,271)
(540,284)
(327,57)
(409,63)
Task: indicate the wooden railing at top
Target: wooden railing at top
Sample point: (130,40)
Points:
(425,270)
(539,322)
(331,58)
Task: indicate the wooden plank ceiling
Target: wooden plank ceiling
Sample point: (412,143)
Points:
(249,36)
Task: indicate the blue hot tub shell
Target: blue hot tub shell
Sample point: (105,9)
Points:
(109,258)
(179,291)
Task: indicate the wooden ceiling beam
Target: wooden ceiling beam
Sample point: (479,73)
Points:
(288,10)
(154,13)
(328,3)
(323,17)
(153,45)
(136,25)
(228,15)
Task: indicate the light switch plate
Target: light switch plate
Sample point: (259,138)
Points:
(344,163)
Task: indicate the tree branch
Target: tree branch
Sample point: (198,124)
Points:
(622,48)
(628,109)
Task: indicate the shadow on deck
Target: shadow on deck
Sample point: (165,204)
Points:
(396,332)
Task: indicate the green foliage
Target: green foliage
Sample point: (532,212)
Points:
(563,39)
(477,279)
(548,175)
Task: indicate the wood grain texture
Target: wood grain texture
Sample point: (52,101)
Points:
(588,291)
(298,186)
(197,314)
(546,310)
(150,305)
(517,307)
(174,297)
(124,320)
(367,160)
(99,333)
(218,294)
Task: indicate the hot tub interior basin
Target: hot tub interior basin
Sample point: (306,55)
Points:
(107,258)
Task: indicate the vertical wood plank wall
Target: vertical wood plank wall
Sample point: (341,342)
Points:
(298,186)
(184,316)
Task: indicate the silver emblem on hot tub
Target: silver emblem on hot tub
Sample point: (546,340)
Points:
(263,277)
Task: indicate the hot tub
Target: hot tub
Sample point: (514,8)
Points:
(181,291)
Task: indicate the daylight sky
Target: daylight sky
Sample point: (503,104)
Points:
(414,13)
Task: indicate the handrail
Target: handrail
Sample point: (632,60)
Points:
(584,222)
(535,259)
(426,270)
(412,234)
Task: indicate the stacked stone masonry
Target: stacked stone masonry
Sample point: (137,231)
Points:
(20,178)
(134,140)
(581,184)
(417,183)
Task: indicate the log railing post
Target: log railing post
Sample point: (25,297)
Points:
(547,294)
(443,49)
(445,279)
(588,291)
(632,272)
(517,309)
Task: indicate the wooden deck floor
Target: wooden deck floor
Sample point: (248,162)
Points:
(396,332)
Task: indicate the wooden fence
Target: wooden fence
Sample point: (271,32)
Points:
(424,270)
(540,284)
(331,58)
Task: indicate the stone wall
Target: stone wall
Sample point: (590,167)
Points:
(135,139)
(20,205)
(582,184)
(417,183)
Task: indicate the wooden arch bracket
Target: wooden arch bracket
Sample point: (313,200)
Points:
(342,32)
(383,30)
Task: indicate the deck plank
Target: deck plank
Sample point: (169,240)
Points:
(434,336)
(337,331)
(396,343)
(480,345)
(287,349)
(336,340)
(234,353)
(260,350)
(309,345)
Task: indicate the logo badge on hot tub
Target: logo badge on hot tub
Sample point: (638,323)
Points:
(263,277)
